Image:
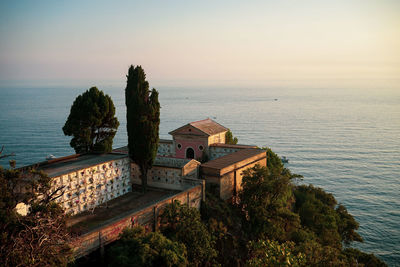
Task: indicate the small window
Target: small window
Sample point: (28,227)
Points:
(190,130)
(201,147)
(179,146)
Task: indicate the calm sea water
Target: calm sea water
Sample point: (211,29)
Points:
(346,141)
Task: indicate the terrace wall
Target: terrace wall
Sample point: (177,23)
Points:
(175,177)
(147,216)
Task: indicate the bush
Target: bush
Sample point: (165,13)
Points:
(137,248)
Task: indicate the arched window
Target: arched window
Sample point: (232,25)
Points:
(189,153)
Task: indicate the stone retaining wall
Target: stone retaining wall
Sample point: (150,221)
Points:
(147,216)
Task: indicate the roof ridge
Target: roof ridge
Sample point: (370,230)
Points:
(209,120)
(206,126)
(200,121)
(232,158)
(220,124)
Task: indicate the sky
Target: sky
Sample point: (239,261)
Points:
(218,43)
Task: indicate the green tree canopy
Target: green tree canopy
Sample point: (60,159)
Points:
(274,163)
(266,199)
(92,122)
(318,214)
(359,258)
(271,253)
(183,224)
(229,139)
(143,120)
(39,238)
(138,248)
(347,226)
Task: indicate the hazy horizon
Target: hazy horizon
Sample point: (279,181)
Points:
(226,43)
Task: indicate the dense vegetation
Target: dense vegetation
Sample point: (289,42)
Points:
(275,223)
(229,139)
(142,120)
(138,248)
(92,122)
(40,238)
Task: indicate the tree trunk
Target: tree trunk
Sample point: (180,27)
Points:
(143,177)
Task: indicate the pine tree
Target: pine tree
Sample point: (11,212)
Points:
(143,120)
(92,122)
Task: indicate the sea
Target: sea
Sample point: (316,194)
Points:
(345,140)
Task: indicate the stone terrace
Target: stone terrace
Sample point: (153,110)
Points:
(117,208)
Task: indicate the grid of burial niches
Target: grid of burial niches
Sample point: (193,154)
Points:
(159,175)
(90,187)
(165,149)
(217,152)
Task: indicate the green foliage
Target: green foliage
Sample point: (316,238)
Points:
(359,258)
(266,199)
(274,163)
(271,253)
(183,224)
(224,224)
(276,167)
(138,248)
(318,214)
(143,120)
(9,179)
(319,255)
(92,122)
(229,139)
(277,210)
(40,238)
(275,224)
(215,208)
(347,226)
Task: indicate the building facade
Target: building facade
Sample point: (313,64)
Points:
(84,182)
(193,139)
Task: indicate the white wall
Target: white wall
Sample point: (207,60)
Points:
(90,187)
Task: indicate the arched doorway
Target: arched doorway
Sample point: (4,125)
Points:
(189,153)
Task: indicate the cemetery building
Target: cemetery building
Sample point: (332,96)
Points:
(98,188)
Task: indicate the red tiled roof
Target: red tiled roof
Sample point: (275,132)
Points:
(233,158)
(209,126)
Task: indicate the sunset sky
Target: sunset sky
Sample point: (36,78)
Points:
(181,43)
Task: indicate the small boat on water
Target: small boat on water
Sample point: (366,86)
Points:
(50,157)
(284,159)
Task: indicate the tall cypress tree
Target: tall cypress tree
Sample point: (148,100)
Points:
(143,120)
